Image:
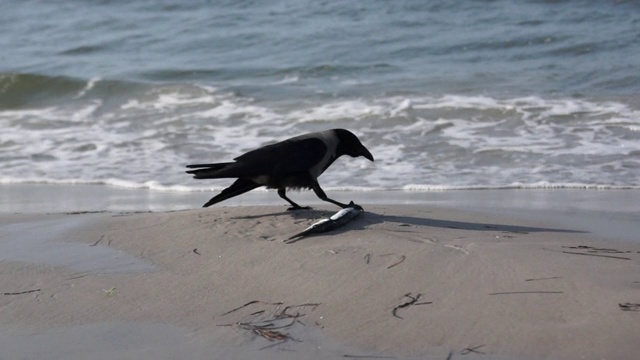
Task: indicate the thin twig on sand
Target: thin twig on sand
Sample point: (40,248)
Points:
(283,314)
(21,292)
(250,303)
(472,349)
(526,292)
(98,241)
(544,278)
(598,255)
(592,249)
(413,300)
(629,307)
(402,258)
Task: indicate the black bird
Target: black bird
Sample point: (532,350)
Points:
(295,163)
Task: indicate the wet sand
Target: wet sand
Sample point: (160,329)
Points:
(453,279)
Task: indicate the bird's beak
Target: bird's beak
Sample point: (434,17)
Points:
(366,154)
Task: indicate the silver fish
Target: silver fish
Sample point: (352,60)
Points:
(335,221)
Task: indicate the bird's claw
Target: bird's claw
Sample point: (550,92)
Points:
(355,206)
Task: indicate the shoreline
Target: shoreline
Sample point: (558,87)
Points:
(401,281)
(610,214)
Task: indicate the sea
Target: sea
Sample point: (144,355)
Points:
(447,95)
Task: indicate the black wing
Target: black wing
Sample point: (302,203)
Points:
(281,159)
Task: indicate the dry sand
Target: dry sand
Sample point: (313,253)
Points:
(398,282)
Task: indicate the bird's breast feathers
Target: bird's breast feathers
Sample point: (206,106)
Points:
(331,141)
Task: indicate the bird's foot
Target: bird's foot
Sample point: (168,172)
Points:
(355,206)
(294,208)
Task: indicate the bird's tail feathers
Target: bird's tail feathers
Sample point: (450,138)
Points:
(207,171)
(239,187)
(212,165)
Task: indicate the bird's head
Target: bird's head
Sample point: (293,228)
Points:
(349,144)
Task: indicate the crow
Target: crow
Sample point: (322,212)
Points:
(295,163)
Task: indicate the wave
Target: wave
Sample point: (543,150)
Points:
(20,90)
(109,130)
(120,183)
(23,90)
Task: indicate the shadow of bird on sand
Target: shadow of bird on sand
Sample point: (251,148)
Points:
(368,219)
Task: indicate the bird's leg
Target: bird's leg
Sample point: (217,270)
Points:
(294,206)
(320,193)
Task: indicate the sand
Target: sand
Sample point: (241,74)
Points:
(410,281)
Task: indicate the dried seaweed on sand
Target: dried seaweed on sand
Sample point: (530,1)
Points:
(273,326)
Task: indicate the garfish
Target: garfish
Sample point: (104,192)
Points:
(335,221)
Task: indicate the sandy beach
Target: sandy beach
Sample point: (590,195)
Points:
(401,281)
(494,147)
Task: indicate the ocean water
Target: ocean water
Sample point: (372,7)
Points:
(445,94)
